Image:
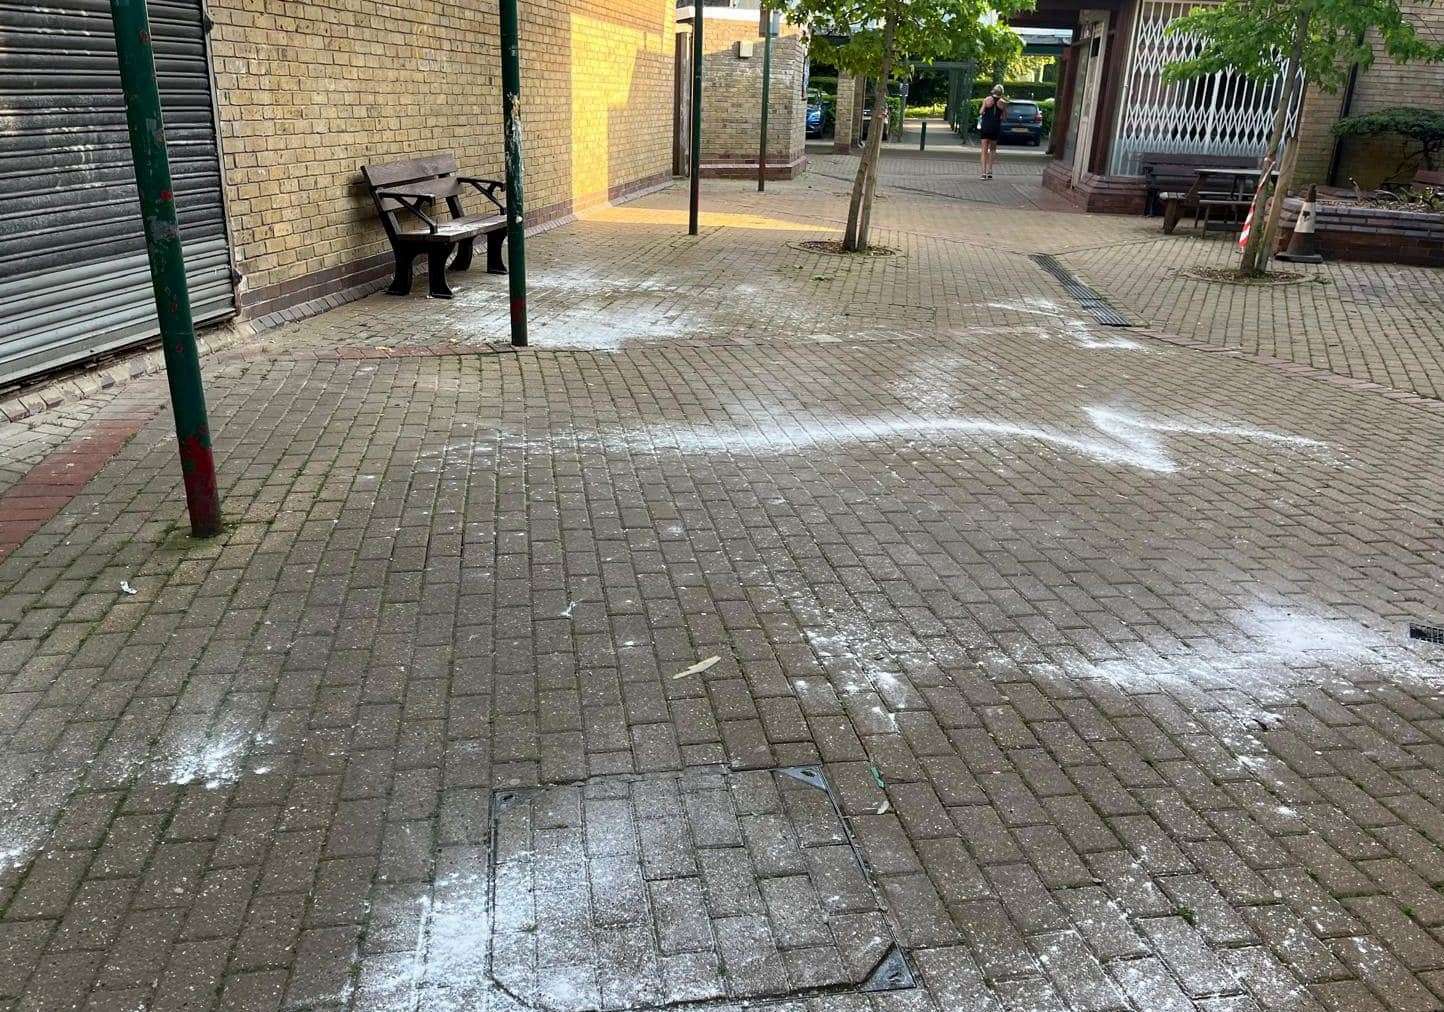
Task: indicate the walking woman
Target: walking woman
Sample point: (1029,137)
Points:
(990,126)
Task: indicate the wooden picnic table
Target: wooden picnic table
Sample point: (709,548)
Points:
(1215,187)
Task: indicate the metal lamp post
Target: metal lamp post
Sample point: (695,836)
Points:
(766,95)
(512,129)
(696,194)
(167,263)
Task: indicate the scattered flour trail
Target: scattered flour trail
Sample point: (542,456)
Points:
(1117,437)
(1274,647)
(1074,329)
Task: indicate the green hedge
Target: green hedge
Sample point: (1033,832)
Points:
(934,111)
(1035,90)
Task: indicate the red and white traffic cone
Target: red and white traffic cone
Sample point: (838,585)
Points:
(1304,243)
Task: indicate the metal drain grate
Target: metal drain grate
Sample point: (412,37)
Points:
(1427,633)
(1093,304)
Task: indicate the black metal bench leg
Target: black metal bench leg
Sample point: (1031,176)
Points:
(494,264)
(463,255)
(405,262)
(436,272)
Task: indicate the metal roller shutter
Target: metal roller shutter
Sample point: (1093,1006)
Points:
(74,280)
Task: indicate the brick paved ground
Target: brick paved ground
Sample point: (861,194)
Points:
(1099,642)
(953,172)
(25,444)
(1374,322)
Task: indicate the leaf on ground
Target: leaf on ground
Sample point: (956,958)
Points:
(697,668)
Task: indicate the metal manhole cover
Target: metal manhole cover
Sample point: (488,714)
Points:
(682,889)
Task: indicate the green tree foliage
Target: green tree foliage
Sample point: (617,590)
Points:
(1250,36)
(873,39)
(1322,40)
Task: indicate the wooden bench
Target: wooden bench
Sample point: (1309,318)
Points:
(1170,173)
(406,195)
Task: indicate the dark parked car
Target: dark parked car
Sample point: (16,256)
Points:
(816,116)
(1023,122)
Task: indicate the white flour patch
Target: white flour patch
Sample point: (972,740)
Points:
(31,800)
(1034,305)
(21,841)
(1116,437)
(849,634)
(453,939)
(213,762)
(1068,326)
(1270,648)
(399,987)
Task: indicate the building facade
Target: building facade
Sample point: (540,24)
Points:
(271,108)
(1114,105)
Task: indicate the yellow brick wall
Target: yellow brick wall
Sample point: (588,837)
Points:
(307,93)
(1316,143)
(732,91)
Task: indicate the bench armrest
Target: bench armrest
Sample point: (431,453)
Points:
(411,203)
(486,187)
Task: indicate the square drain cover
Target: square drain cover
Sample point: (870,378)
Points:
(656,891)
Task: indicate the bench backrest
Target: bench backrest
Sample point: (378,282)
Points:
(414,175)
(1170,171)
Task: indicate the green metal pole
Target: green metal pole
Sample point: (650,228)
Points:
(167,263)
(515,210)
(766,97)
(696,195)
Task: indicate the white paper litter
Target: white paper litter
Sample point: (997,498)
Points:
(697,668)
(126,588)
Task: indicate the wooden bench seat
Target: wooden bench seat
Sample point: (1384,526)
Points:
(468,225)
(410,197)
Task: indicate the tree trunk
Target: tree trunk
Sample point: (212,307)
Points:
(1276,205)
(865,185)
(865,222)
(1249,262)
(854,205)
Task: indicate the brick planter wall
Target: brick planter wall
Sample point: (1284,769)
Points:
(1348,232)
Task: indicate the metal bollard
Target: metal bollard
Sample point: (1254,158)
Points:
(923,140)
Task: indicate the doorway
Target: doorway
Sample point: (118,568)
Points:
(1093,35)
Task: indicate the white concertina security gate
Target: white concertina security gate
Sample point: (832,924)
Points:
(1218,114)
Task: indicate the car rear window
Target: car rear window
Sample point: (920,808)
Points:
(1027,107)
